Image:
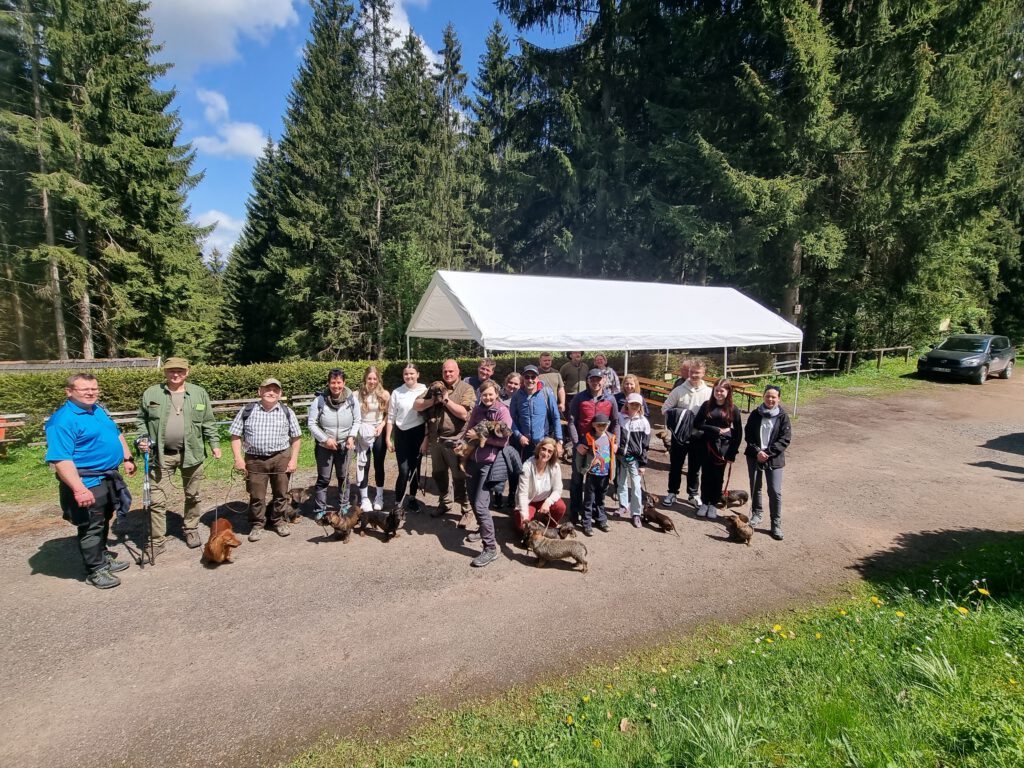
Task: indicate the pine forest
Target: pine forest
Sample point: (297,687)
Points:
(855,165)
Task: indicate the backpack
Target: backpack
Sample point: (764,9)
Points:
(248,408)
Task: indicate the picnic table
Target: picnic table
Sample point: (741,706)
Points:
(656,392)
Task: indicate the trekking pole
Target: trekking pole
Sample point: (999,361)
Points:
(147,503)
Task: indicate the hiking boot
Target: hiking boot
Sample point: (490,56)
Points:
(588,530)
(637,523)
(777,531)
(756,518)
(113,565)
(255,534)
(103,578)
(669,500)
(489,555)
(281,528)
(474,536)
(603,527)
(467,517)
(192,539)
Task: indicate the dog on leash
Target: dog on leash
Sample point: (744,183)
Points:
(563,531)
(222,540)
(547,550)
(733,499)
(386,522)
(298,498)
(342,523)
(739,528)
(653,515)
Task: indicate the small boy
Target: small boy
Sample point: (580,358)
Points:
(600,463)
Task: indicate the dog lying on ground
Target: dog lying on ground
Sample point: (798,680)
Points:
(222,540)
(342,524)
(547,550)
(653,515)
(387,522)
(477,437)
(738,526)
(563,531)
(732,499)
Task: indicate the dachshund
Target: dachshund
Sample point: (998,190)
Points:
(738,526)
(222,540)
(653,515)
(547,550)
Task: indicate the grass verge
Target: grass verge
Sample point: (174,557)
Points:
(918,670)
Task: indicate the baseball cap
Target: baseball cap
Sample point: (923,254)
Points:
(633,397)
(595,372)
(531,369)
(271,382)
(176,362)
(601,418)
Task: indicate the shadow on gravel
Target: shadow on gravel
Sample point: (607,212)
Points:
(58,558)
(1010,443)
(1000,467)
(973,553)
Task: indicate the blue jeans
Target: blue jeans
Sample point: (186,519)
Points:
(629,486)
(774,478)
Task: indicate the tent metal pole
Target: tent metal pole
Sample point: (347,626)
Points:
(625,365)
(666,362)
(408,352)
(725,361)
(799,359)
(515,360)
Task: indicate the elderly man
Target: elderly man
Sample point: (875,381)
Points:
(175,422)
(85,448)
(551,378)
(446,417)
(679,408)
(270,433)
(583,408)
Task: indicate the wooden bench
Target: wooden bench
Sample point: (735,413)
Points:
(654,391)
(745,369)
(10,421)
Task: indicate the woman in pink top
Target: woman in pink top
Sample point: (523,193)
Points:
(484,474)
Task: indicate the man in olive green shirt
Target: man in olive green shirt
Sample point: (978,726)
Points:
(174,420)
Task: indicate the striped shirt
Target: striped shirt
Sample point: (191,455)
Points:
(266,432)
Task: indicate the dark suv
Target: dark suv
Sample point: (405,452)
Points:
(973,356)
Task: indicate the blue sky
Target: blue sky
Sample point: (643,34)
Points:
(234,61)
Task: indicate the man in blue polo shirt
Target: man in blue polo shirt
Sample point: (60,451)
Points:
(85,448)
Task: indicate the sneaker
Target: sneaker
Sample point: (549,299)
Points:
(474,536)
(637,523)
(669,500)
(622,512)
(777,531)
(281,529)
(366,505)
(588,531)
(103,579)
(693,500)
(113,566)
(702,510)
(192,539)
(756,518)
(255,534)
(378,499)
(603,527)
(712,514)
(486,557)
(467,517)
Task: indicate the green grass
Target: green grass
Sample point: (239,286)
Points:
(923,670)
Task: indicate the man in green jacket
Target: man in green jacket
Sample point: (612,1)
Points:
(174,420)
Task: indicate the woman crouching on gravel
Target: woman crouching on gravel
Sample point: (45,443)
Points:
(540,487)
(484,472)
(768,433)
(719,420)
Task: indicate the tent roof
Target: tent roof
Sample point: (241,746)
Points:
(524,312)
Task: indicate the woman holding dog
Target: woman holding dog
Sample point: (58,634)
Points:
(722,431)
(486,472)
(540,486)
(373,406)
(406,433)
(768,433)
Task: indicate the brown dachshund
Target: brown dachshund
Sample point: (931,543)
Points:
(653,515)
(222,540)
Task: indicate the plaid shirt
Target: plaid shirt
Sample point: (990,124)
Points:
(266,432)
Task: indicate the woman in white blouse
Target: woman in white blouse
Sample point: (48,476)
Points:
(540,487)
(406,433)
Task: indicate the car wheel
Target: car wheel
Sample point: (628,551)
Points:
(981,375)
(1007,372)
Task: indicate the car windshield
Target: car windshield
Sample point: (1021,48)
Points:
(963,344)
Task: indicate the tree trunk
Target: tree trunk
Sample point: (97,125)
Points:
(31,43)
(16,309)
(84,303)
(791,291)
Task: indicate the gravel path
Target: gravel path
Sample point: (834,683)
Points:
(304,638)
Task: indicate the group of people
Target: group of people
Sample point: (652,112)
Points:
(606,442)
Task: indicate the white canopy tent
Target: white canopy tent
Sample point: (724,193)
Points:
(525,312)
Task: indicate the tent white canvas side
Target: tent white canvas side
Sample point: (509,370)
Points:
(524,312)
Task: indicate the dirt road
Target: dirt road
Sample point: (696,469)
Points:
(303,638)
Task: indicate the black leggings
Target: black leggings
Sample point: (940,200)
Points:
(407,451)
(378,451)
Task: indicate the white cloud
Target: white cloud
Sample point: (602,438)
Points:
(197,32)
(233,140)
(224,235)
(400,23)
(216,106)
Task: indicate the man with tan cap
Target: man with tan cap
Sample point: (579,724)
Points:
(270,433)
(175,422)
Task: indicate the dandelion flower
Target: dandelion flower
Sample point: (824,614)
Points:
(1012,681)
(842,612)
(586,699)
(900,614)
(983,591)
(875,600)
(608,686)
(817,635)
(515,763)
(777,628)
(568,720)
(597,743)
(768,640)
(963,611)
